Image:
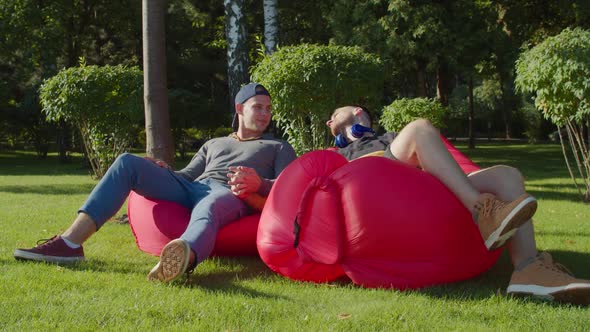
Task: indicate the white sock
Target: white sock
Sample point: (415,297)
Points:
(70,243)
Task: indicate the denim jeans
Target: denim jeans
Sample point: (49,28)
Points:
(212,204)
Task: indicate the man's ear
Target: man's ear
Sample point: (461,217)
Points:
(357,111)
(240,109)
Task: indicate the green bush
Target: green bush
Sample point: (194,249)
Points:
(307,82)
(104,103)
(557,72)
(403,111)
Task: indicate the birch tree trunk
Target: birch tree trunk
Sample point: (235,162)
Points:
(471,143)
(271,26)
(159,143)
(237,48)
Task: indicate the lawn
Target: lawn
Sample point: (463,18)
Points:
(110,291)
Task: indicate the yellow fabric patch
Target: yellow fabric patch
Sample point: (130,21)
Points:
(373,154)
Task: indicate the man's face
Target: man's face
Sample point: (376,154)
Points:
(338,121)
(256,113)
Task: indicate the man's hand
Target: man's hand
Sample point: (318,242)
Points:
(158,162)
(255,201)
(243,181)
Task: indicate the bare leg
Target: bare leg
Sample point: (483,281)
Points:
(81,229)
(507,183)
(419,144)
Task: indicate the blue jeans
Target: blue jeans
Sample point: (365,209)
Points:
(212,204)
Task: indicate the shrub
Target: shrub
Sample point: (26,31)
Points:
(557,72)
(104,103)
(307,82)
(403,111)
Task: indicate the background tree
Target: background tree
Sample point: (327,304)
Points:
(488,98)
(237,48)
(557,71)
(307,82)
(271,26)
(38,38)
(401,112)
(428,47)
(104,103)
(157,119)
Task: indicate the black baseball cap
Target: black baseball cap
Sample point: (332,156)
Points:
(246,92)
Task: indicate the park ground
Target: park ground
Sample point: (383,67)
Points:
(39,198)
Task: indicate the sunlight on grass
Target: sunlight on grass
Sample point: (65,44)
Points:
(110,291)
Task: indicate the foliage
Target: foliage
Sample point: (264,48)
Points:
(421,42)
(531,21)
(37,38)
(557,71)
(307,82)
(488,95)
(532,120)
(403,111)
(188,110)
(104,103)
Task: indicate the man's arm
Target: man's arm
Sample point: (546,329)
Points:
(255,201)
(197,165)
(285,156)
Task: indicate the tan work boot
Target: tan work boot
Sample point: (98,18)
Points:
(174,261)
(498,220)
(546,279)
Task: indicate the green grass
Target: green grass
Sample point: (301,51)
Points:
(110,291)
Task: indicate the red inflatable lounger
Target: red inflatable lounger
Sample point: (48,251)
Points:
(375,220)
(155,223)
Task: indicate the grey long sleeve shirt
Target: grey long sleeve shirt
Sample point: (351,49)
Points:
(268,156)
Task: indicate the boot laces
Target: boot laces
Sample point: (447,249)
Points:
(490,206)
(554,266)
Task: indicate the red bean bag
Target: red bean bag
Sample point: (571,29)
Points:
(378,221)
(155,223)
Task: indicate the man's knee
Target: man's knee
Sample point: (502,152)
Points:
(125,160)
(509,178)
(509,173)
(422,126)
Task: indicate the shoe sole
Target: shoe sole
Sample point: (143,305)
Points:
(173,262)
(522,213)
(576,293)
(31,256)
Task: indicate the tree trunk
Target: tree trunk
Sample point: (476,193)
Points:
(443,85)
(508,103)
(471,115)
(271,26)
(237,48)
(159,143)
(421,88)
(63,129)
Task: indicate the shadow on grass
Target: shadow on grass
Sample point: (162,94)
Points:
(22,164)
(556,195)
(497,278)
(53,189)
(564,234)
(242,268)
(93,265)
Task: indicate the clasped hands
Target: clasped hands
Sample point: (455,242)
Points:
(243,181)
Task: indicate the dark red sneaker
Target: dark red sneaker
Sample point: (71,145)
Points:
(53,250)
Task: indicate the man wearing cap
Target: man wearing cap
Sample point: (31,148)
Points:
(224,174)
